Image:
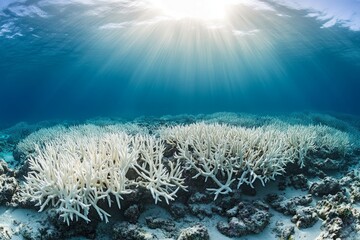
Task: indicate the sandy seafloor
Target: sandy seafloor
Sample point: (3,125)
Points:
(20,220)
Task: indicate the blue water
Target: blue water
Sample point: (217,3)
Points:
(79,59)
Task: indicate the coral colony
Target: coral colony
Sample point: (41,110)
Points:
(73,169)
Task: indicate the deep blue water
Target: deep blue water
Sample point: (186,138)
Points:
(71,64)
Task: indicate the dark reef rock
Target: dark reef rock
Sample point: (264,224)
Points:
(78,228)
(198,197)
(247,218)
(288,206)
(227,202)
(328,207)
(178,210)
(305,217)
(197,232)
(284,232)
(132,213)
(199,204)
(327,186)
(127,231)
(8,186)
(299,182)
(341,220)
(200,210)
(8,183)
(352,182)
(234,228)
(331,230)
(161,223)
(328,164)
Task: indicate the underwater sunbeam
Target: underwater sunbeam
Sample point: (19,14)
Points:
(196,9)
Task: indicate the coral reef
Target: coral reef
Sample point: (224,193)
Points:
(288,206)
(165,224)
(168,173)
(305,217)
(226,154)
(341,220)
(85,169)
(245,218)
(283,231)
(299,182)
(325,187)
(73,169)
(8,183)
(127,231)
(195,232)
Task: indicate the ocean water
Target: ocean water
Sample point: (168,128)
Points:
(249,98)
(85,58)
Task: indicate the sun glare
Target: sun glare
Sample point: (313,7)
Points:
(196,9)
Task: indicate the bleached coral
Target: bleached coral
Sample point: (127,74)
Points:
(226,153)
(57,133)
(73,169)
(73,175)
(27,145)
(161,181)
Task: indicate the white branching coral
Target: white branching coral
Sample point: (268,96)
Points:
(74,169)
(226,154)
(162,181)
(73,175)
(28,145)
(305,140)
(59,132)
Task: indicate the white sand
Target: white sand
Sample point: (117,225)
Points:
(9,159)
(13,220)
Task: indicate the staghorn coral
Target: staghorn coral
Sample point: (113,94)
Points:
(160,180)
(84,168)
(226,154)
(74,169)
(62,133)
